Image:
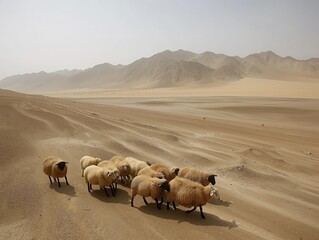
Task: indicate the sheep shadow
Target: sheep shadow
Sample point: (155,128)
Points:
(121,196)
(220,202)
(181,216)
(64,189)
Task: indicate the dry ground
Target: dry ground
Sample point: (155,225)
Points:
(264,150)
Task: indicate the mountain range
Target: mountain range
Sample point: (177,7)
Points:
(169,69)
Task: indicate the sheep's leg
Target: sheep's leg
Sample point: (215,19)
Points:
(114,186)
(157,204)
(145,200)
(89,187)
(106,192)
(162,200)
(201,211)
(132,199)
(82,172)
(50,179)
(174,206)
(112,190)
(167,205)
(192,210)
(66,180)
(59,182)
(128,179)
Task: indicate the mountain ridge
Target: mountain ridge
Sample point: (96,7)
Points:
(168,69)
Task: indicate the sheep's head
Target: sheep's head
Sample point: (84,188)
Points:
(214,194)
(110,174)
(98,160)
(125,168)
(211,179)
(61,165)
(175,171)
(165,185)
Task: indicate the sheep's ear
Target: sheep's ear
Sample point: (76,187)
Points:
(212,175)
(63,162)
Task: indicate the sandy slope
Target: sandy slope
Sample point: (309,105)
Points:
(303,88)
(267,175)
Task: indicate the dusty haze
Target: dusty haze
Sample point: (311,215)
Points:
(171,69)
(236,94)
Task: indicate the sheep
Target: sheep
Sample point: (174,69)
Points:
(150,172)
(99,176)
(136,165)
(169,173)
(55,167)
(107,164)
(197,176)
(149,187)
(122,165)
(189,194)
(88,161)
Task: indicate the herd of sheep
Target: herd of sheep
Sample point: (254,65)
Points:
(187,187)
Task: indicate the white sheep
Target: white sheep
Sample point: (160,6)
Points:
(136,165)
(122,165)
(189,194)
(169,173)
(99,176)
(88,161)
(107,164)
(55,167)
(148,187)
(195,175)
(151,173)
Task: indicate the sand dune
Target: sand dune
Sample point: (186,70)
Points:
(267,175)
(253,87)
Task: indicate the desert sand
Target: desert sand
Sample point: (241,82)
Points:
(262,146)
(305,88)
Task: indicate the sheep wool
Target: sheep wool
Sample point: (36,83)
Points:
(148,187)
(95,175)
(55,167)
(189,194)
(88,161)
(169,173)
(110,166)
(122,165)
(151,173)
(107,164)
(197,176)
(135,165)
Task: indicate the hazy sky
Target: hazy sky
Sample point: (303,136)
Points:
(51,35)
